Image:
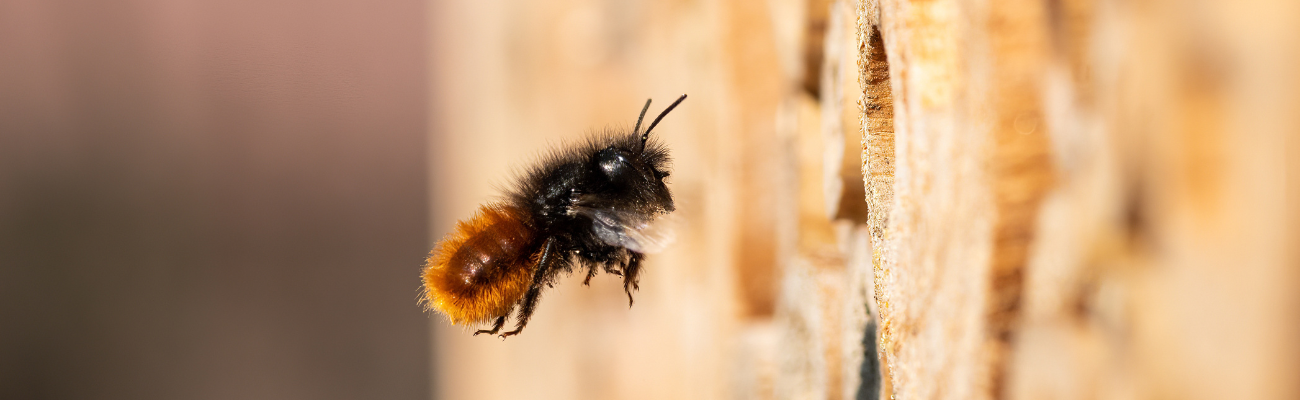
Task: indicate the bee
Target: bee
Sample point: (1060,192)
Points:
(585,206)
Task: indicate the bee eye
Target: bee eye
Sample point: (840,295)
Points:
(661,174)
(612,163)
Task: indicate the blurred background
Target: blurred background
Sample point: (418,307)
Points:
(213,199)
(942,199)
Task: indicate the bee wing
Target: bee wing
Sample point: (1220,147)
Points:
(636,231)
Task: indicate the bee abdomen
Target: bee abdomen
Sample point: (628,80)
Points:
(480,270)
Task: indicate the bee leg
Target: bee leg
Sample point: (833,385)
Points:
(630,275)
(529,302)
(591,272)
(496,326)
(609,268)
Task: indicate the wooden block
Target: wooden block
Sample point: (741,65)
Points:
(809,318)
(1075,203)
(844,195)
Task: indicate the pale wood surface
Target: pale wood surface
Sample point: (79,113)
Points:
(1086,199)
(1070,199)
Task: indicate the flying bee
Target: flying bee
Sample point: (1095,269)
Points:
(586,206)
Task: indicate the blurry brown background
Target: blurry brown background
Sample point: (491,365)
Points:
(938,199)
(212,199)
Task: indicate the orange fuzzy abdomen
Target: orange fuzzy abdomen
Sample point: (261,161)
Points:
(480,270)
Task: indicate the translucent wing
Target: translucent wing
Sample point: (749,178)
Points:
(638,232)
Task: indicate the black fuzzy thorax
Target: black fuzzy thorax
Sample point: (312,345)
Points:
(581,176)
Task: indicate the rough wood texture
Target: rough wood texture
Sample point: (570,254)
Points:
(1059,199)
(1082,199)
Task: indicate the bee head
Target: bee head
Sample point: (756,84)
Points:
(633,168)
(630,175)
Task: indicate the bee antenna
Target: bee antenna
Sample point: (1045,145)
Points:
(637,129)
(646,135)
